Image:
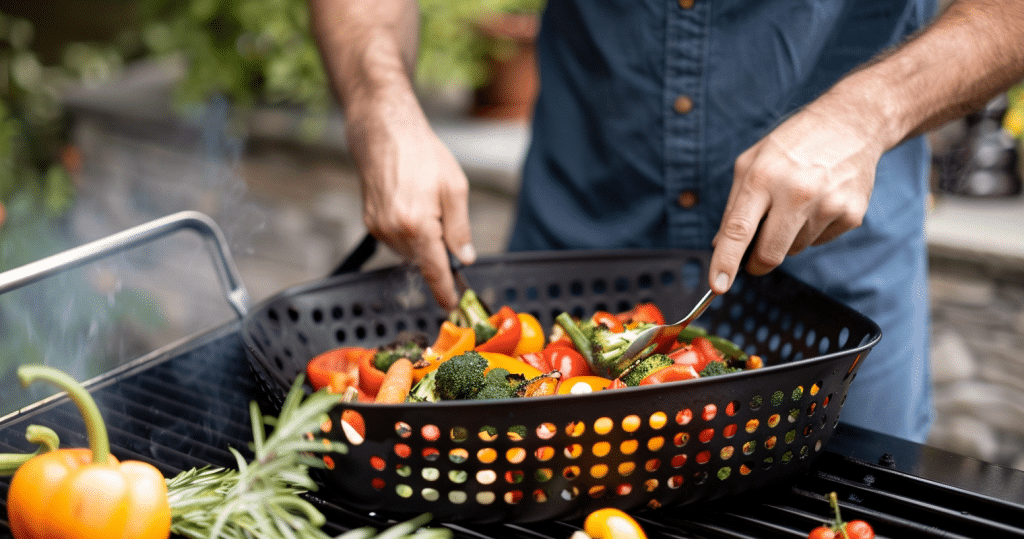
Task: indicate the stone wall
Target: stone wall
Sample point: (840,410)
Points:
(978,335)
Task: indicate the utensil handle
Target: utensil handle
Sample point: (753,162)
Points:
(235,292)
(358,257)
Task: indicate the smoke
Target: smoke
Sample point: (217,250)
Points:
(138,164)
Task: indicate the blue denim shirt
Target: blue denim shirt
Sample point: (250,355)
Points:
(645,105)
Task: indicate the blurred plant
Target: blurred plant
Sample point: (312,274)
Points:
(451,48)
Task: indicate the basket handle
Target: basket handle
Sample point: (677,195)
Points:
(358,257)
(237,295)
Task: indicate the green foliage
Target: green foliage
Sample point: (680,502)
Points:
(451,50)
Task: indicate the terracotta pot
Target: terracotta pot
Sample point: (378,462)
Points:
(513,82)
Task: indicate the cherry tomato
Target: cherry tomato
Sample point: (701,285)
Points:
(821,532)
(858,529)
(531,335)
(643,313)
(569,362)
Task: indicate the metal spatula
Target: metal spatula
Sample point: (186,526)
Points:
(667,331)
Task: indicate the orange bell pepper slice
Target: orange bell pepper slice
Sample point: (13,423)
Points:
(511,364)
(336,369)
(452,340)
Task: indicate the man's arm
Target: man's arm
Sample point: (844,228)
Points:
(810,180)
(415,195)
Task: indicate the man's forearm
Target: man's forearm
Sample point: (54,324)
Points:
(368,47)
(972,52)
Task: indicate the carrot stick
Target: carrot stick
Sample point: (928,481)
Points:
(397,383)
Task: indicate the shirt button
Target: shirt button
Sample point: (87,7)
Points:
(683,104)
(687,199)
(686,4)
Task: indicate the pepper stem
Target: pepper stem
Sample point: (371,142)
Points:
(96,430)
(45,438)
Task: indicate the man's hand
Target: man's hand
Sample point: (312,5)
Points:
(811,178)
(415,195)
(804,184)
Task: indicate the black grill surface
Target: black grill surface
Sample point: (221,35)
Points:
(185,406)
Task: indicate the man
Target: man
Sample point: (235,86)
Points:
(786,128)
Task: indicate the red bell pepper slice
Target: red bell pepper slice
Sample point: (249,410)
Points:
(672,373)
(643,313)
(563,359)
(507,337)
(608,320)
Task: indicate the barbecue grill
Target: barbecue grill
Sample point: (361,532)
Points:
(182,406)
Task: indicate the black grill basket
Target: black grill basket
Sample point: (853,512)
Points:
(533,459)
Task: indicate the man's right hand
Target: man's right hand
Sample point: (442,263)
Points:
(415,194)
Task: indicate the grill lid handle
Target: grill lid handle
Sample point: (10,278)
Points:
(202,224)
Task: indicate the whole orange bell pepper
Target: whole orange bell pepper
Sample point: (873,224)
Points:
(85,493)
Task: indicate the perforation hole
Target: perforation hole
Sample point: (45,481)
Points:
(403,430)
(626,468)
(486,477)
(603,425)
(485,497)
(488,433)
(710,411)
(515,455)
(516,433)
(403,451)
(458,476)
(631,423)
(726,452)
(430,433)
(684,417)
(514,477)
(770,442)
(652,465)
(623,489)
(544,453)
(706,435)
(678,460)
(575,429)
(573,451)
(773,420)
(571,472)
(377,463)
(540,496)
(724,473)
(546,430)
(703,457)
(675,482)
(457,497)
(730,430)
(749,447)
(403,491)
(459,434)
(543,475)
(756,403)
(486,455)
(597,491)
(658,420)
(430,454)
(430,474)
(598,471)
(628,447)
(777,398)
(601,449)
(752,425)
(680,439)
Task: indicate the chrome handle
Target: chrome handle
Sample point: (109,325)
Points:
(227,272)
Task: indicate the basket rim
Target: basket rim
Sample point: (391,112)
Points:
(874,331)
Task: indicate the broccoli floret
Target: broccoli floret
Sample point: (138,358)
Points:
(475,315)
(645,367)
(410,347)
(714,368)
(425,390)
(497,385)
(461,377)
(602,347)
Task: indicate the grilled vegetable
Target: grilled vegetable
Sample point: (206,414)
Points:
(397,383)
(426,389)
(337,369)
(461,377)
(85,493)
(452,340)
(602,347)
(837,529)
(563,359)
(499,384)
(539,386)
(644,368)
(715,368)
(410,347)
(672,373)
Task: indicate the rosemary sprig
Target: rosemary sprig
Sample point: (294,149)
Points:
(262,498)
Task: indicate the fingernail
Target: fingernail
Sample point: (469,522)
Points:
(467,254)
(722,281)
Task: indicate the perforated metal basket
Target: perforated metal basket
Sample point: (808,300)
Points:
(521,460)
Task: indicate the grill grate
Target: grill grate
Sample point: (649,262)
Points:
(183,408)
